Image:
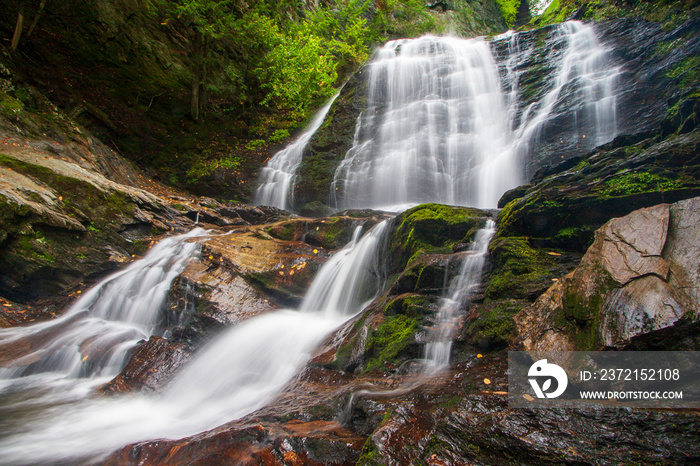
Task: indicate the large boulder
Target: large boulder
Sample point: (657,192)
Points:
(640,275)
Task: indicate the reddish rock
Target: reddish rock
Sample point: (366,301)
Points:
(150,368)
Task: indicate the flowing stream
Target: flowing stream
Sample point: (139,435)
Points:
(277,177)
(461,289)
(235,374)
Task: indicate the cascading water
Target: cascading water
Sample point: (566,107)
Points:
(586,72)
(435,129)
(276,184)
(439,128)
(93,337)
(437,350)
(234,375)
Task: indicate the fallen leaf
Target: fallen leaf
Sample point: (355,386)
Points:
(528,397)
(487,381)
(554,253)
(479,355)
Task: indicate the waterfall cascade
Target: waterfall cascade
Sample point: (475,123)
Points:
(439,127)
(93,337)
(437,351)
(434,128)
(584,71)
(276,184)
(234,375)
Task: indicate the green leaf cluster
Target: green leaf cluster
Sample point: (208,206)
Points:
(509,9)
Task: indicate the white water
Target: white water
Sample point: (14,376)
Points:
(462,286)
(236,374)
(277,177)
(585,68)
(435,129)
(440,128)
(92,338)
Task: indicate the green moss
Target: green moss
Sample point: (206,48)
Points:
(634,182)
(687,72)
(432,228)
(390,339)
(410,305)
(580,317)
(518,269)
(494,326)
(80,199)
(284,231)
(9,106)
(369,455)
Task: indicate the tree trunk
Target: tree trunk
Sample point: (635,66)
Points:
(194,100)
(18,27)
(197,62)
(204,76)
(36,18)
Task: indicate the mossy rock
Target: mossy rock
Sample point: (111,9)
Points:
(331,232)
(491,326)
(315,209)
(424,274)
(519,271)
(568,202)
(392,342)
(431,229)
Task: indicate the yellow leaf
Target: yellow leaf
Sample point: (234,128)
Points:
(487,381)
(479,355)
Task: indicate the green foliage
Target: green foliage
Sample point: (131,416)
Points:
(255,144)
(298,73)
(686,72)
(203,167)
(279,135)
(509,9)
(632,183)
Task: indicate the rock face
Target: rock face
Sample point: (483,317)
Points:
(637,277)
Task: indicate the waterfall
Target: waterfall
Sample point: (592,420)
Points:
(237,373)
(434,130)
(277,177)
(93,337)
(437,350)
(440,124)
(584,70)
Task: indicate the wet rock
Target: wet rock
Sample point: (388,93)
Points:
(64,222)
(328,232)
(150,368)
(622,288)
(432,229)
(282,270)
(245,443)
(567,204)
